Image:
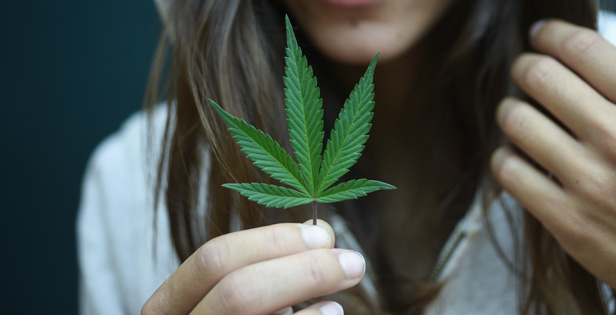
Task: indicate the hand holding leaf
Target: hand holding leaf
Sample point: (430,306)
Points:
(314,173)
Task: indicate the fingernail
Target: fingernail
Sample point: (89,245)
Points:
(315,236)
(353,264)
(331,308)
(536,27)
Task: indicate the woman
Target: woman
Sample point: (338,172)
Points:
(452,239)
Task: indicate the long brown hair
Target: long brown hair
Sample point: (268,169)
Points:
(231,51)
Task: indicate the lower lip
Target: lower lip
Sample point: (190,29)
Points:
(351,3)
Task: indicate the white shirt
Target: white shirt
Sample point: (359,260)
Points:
(120,269)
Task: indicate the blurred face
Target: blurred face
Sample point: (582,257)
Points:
(353,31)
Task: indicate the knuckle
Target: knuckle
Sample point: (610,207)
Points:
(580,43)
(586,214)
(315,269)
(211,257)
(605,133)
(237,293)
(277,238)
(537,71)
(590,186)
(576,234)
(595,188)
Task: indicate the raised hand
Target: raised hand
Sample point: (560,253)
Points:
(574,78)
(260,271)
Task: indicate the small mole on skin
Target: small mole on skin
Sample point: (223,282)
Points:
(354,23)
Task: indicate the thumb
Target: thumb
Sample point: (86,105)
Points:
(328,228)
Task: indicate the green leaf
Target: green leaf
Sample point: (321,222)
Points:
(271,195)
(350,131)
(266,153)
(314,173)
(352,189)
(304,111)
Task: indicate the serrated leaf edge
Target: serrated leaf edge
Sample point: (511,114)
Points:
(304,111)
(314,185)
(271,195)
(285,163)
(352,189)
(331,170)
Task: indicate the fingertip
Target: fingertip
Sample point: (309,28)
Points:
(353,263)
(330,308)
(323,308)
(497,159)
(503,109)
(315,236)
(504,165)
(319,222)
(536,28)
(323,224)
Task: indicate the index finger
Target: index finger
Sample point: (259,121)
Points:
(183,290)
(581,49)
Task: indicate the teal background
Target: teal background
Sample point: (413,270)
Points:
(71,71)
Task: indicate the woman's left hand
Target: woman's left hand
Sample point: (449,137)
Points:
(574,78)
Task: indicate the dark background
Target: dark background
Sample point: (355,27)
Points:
(72,71)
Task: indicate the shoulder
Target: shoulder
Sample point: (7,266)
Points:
(137,141)
(115,231)
(124,164)
(118,182)
(607,26)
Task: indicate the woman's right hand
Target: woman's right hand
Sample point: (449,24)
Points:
(260,271)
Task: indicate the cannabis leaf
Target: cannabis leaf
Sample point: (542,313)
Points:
(311,177)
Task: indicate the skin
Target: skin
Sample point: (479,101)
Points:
(353,35)
(264,270)
(574,77)
(259,271)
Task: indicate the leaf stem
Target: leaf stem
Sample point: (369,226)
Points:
(314,212)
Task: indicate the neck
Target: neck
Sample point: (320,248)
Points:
(394,155)
(400,92)
(393,81)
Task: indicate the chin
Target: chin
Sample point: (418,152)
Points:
(358,53)
(359,45)
(353,31)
